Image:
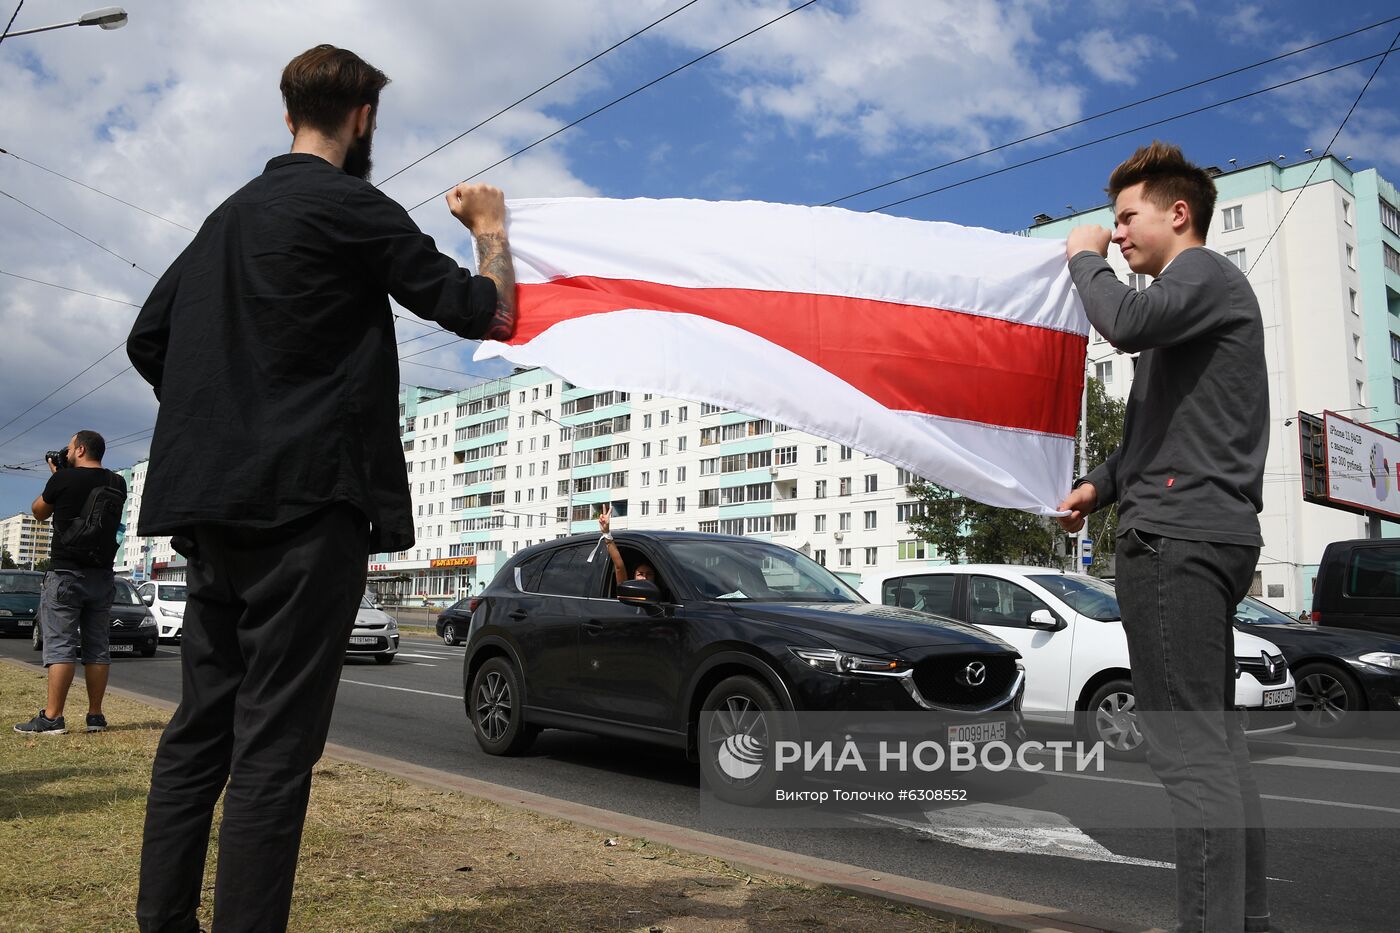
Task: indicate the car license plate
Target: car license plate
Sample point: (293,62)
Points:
(121,649)
(363,640)
(26,623)
(977,732)
(1281,697)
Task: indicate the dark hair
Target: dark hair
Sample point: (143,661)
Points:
(93,443)
(323,84)
(1166,178)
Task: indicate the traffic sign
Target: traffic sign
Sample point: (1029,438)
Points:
(1086,551)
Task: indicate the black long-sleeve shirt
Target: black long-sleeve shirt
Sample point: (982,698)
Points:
(1196,431)
(270,345)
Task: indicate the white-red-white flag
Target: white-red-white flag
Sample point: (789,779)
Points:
(954,352)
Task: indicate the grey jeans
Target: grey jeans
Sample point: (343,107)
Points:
(75,615)
(1178,601)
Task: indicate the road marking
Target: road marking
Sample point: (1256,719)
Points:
(361,683)
(1348,748)
(1307,800)
(1297,761)
(997,828)
(430,657)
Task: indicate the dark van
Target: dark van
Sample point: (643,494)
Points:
(1358,585)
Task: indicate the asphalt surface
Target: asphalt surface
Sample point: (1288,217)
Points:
(1095,844)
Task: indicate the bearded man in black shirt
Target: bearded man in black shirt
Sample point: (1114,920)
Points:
(277,467)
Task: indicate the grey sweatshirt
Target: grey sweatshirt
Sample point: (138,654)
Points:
(1191,463)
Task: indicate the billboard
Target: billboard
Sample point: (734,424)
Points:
(1362,467)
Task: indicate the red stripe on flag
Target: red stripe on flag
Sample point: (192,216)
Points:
(906,357)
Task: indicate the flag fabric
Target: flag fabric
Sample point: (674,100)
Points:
(953,352)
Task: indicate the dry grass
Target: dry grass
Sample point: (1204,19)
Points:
(379,854)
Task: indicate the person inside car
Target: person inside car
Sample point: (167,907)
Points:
(643,570)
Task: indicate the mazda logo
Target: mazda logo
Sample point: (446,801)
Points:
(974,675)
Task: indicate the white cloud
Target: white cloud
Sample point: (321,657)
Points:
(938,75)
(1118,59)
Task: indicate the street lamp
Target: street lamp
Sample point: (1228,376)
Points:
(109,17)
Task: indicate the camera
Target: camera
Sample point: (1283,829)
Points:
(59,458)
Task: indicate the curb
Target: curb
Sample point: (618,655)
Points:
(1004,915)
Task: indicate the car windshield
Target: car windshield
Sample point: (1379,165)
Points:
(172,594)
(1254,612)
(758,572)
(365,603)
(124,594)
(27,583)
(1088,596)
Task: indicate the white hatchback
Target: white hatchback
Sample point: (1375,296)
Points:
(1067,628)
(167,603)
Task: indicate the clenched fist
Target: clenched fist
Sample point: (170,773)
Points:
(480,208)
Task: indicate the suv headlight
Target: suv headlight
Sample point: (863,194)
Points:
(1382,659)
(148,621)
(839,662)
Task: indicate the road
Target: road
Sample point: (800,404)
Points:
(1333,807)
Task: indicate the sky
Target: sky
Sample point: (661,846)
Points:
(175,111)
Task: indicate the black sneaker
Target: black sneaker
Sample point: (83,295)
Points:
(96,722)
(42,725)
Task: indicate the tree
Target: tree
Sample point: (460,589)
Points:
(965,531)
(6,561)
(1105,434)
(42,565)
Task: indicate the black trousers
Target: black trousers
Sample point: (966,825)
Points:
(1178,600)
(266,625)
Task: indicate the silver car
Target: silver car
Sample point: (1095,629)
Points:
(376,633)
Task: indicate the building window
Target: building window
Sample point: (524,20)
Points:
(872,482)
(912,550)
(1138,282)
(844,521)
(646,477)
(646,507)
(1390,217)
(1395,346)
(1391,258)
(1234,217)
(872,556)
(870,519)
(1237,257)
(665,417)
(819,523)
(1103,372)
(646,449)
(680,474)
(845,452)
(683,413)
(661,476)
(785,456)
(821,453)
(680,503)
(646,421)
(845,486)
(819,555)
(1395,383)
(845,556)
(821,489)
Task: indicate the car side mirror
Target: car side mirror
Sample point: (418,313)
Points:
(148,599)
(638,592)
(1045,620)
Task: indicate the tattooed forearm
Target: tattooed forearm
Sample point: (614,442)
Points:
(495,263)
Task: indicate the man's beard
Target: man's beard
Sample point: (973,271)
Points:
(357,157)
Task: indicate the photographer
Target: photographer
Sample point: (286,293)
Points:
(85,502)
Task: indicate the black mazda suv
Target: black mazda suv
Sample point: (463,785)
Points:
(732,636)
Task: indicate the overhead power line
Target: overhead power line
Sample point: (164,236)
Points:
(1325,153)
(617,100)
(54,414)
(60,223)
(1127,132)
(120,301)
(538,90)
(61,388)
(1105,113)
(82,184)
(12,21)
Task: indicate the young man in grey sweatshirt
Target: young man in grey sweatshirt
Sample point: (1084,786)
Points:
(1188,480)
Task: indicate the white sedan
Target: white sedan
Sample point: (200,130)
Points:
(1067,628)
(167,604)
